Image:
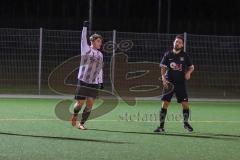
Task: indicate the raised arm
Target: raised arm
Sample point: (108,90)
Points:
(84,44)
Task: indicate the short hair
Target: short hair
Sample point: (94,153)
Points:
(95,36)
(180,37)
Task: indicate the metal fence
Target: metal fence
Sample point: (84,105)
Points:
(28,56)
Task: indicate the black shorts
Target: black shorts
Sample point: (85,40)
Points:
(180,91)
(85,90)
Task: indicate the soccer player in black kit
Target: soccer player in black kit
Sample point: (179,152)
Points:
(176,68)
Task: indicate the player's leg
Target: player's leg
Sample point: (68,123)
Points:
(185,107)
(86,112)
(166,99)
(163,112)
(80,99)
(182,97)
(186,113)
(77,107)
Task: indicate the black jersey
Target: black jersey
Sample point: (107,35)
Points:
(177,65)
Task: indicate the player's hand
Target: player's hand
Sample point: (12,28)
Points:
(85,24)
(165,83)
(101,86)
(187,76)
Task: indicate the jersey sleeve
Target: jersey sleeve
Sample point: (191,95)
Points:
(100,76)
(188,61)
(164,62)
(84,44)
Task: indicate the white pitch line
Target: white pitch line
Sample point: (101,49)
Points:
(147,98)
(29,119)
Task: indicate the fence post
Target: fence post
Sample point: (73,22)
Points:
(90,15)
(113,62)
(185,41)
(40,60)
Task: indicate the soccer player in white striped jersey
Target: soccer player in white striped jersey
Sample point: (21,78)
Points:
(90,75)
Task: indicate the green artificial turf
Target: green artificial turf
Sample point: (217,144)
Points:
(29,129)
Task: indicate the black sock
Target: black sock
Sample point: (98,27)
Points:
(76,109)
(163,114)
(185,115)
(86,112)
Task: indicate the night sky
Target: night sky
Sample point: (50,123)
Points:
(192,16)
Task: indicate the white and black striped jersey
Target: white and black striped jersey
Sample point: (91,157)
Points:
(90,70)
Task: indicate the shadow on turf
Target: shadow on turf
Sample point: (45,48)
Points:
(174,134)
(62,138)
(219,135)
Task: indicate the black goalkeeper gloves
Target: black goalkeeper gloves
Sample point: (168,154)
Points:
(85,24)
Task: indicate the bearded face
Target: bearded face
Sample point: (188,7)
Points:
(178,44)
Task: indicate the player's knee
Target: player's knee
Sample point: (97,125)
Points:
(165,104)
(89,106)
(185,105)
(80,103)
(90,103)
